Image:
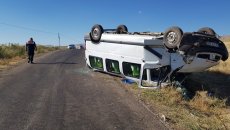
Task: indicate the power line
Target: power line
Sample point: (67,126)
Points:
(36,30)
(27,28)
(59,40)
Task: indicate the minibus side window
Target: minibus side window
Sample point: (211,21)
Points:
(131,69)
(112,66)
(96,62)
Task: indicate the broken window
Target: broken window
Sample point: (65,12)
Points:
(155,76)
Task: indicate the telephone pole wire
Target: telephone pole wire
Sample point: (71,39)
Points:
(59,40)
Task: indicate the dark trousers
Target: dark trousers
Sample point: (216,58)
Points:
(30,56)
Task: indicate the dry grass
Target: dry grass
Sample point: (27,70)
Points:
(215,79)
(227,43)
(201,112)
(223,67)
(208,109)
(11,51)
(14,53)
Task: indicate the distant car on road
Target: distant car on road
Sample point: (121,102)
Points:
(71,46)
(78,46)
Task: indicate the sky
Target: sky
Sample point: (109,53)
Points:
(72,19)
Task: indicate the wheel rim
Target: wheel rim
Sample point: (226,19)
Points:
(96,32)
(171,37)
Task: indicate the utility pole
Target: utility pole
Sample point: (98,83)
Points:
(59,40)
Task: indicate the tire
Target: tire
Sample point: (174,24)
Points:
(207,30)
(96,32)
(172,38)
(121,29)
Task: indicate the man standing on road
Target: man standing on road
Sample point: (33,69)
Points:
(30,47)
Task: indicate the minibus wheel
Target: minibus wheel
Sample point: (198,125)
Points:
(96,32)
(207,30)
(172,38)
(121,29)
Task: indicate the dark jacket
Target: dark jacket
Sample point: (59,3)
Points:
(31,46)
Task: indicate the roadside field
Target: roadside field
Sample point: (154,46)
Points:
(207,109)
(11,54)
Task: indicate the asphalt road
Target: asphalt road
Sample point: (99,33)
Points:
(58,92)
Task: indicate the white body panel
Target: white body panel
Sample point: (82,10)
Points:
(138,39)
(131,48)
(126,53)
(197,65)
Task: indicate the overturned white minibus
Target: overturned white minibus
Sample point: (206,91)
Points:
(152,59)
